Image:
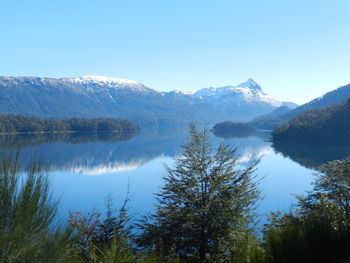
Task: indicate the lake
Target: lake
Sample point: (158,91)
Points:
(86,169)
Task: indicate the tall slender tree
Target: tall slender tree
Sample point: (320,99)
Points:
(205,206)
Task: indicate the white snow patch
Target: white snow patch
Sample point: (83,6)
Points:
(106,80)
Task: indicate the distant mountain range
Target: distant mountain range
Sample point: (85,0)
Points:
(281,115)
(95,96)
(240,103)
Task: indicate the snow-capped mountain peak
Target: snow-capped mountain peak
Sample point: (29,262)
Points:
(246,99)
(246,89)
(251,84)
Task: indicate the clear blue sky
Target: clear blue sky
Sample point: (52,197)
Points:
(296,49)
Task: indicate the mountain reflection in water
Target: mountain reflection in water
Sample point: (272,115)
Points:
(101,153)
(311,156)
(123,161)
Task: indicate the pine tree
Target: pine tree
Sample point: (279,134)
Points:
(205,206)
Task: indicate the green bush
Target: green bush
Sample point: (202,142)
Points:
(319,230)
(27,214)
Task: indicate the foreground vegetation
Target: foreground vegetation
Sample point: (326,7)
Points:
(205,213)
(318,230)
(21,124)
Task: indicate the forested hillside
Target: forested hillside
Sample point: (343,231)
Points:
(21,124)
(328,125)
(273,120)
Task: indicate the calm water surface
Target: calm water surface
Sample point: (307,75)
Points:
(87,169)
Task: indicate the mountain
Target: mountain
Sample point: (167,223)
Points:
(326,125)
(95,96)
(242,102)
(271,121)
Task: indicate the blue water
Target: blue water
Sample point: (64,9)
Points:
(84,174)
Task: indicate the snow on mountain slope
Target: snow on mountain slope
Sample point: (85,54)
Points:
(93,96)
(247,92)
(241,103)
(97,96)
(100,82)
(101,79)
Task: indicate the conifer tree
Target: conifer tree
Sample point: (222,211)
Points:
(205,206)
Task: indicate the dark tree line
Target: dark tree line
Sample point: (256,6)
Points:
(230,129)
(21,124)
(329,125)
